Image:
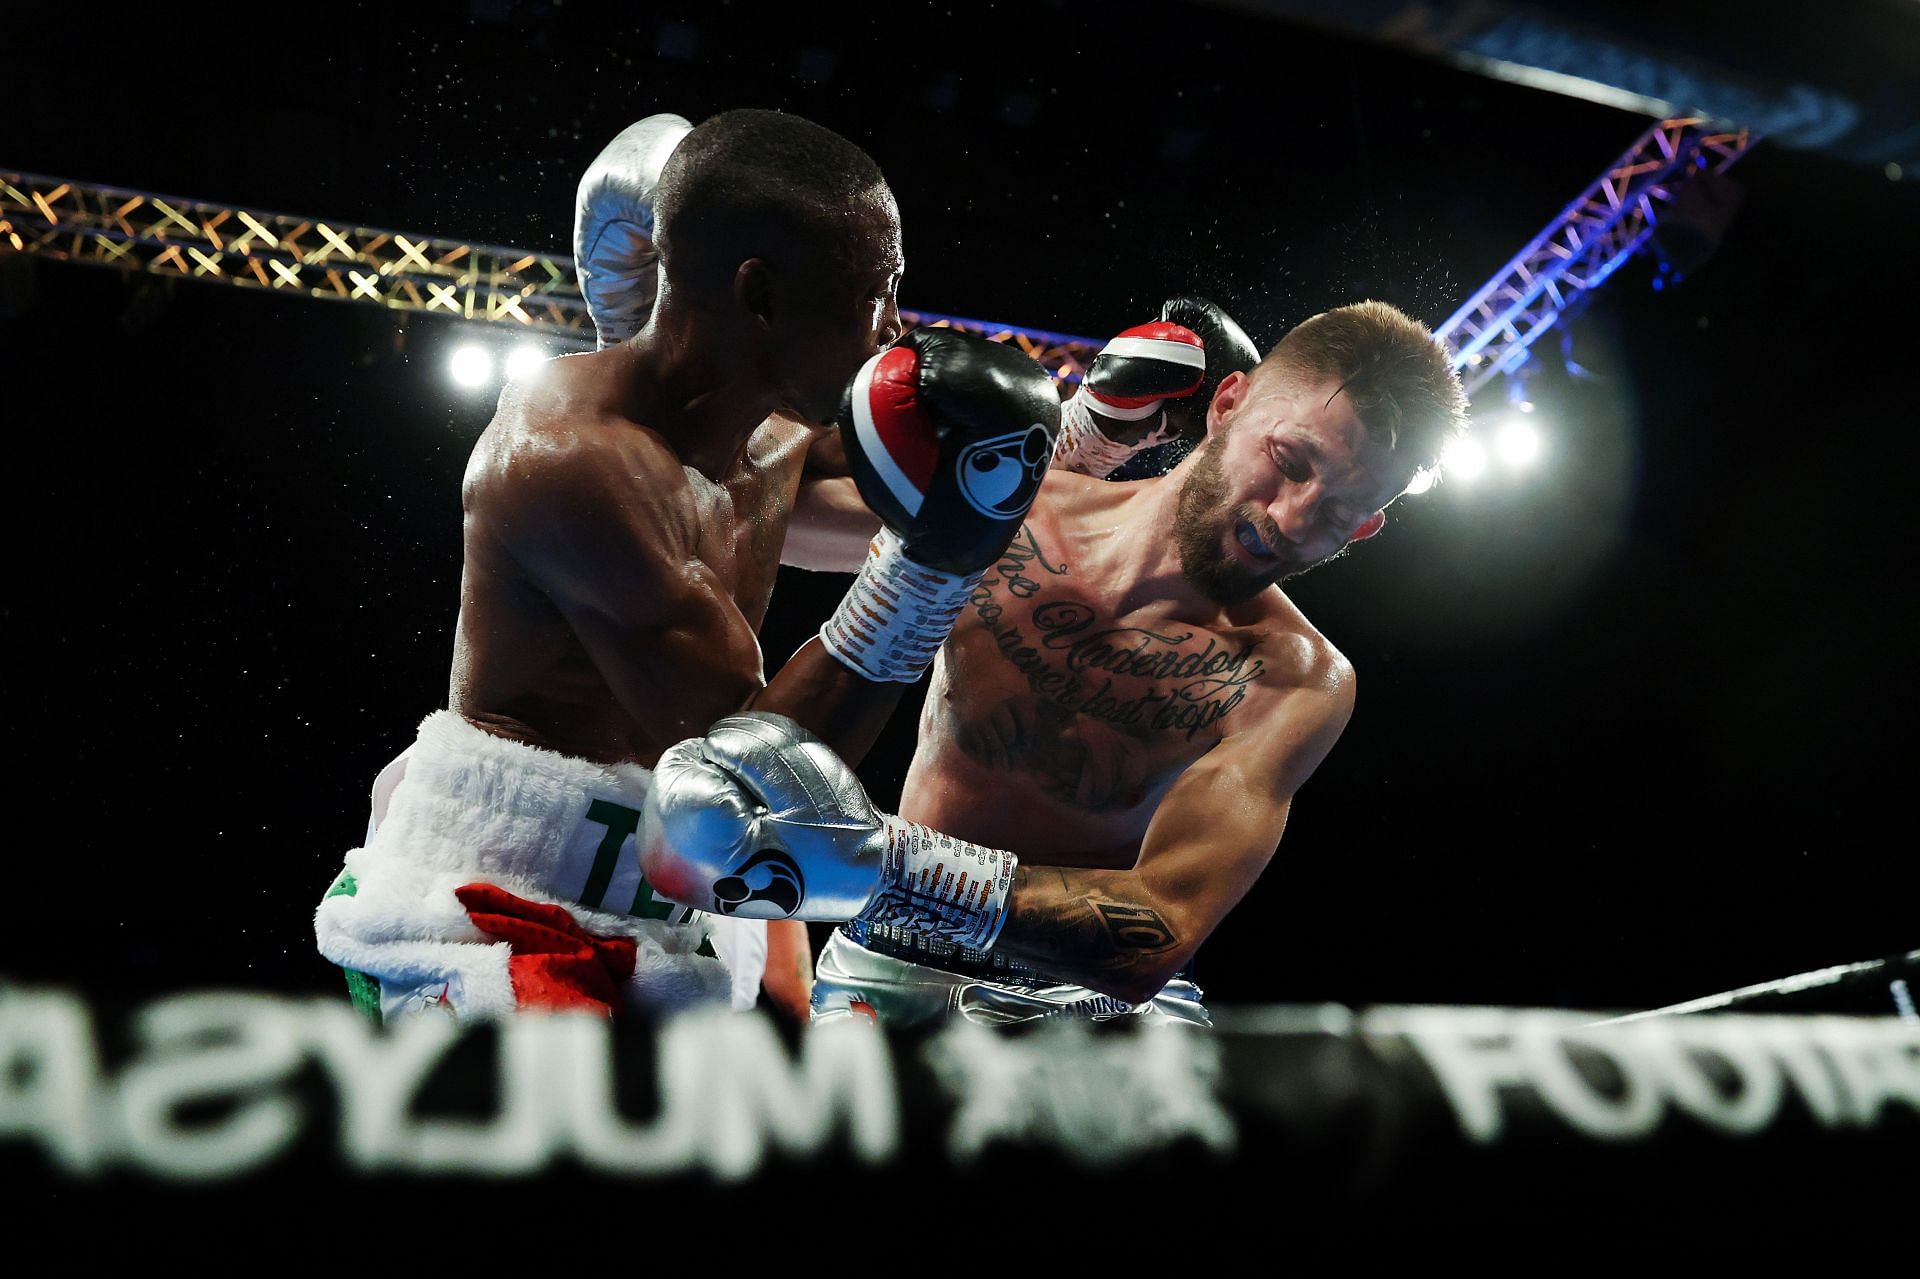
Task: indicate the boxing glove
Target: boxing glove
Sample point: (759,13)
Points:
(947,436)
(1152,383)
(760,819)
(613,249)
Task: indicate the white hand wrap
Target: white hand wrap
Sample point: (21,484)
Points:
(937,886)
(1084,448)
(896,615)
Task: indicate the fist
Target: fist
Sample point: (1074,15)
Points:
(1137,372)
(1152,383)
(1228,350)
(760,819)
(613,226)
(948,436)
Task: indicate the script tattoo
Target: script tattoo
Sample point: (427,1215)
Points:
(1203,684)
(1071,662)
(1024,551)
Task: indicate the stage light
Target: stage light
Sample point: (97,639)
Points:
(1517,442)
(471,366)
(524,359)
(1464,459)
(1422,481)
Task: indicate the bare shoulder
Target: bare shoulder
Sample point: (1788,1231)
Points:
(1307,683)
(1314,663)
(556,449)
(1072,496)
(823,441)
(785,440)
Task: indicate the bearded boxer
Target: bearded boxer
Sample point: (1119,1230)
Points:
(1127,706)
(625,513)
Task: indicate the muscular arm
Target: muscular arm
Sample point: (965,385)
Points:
(831,525)
(841,707)
(830,530)
(789,976)
(608,529)
(605,526)
(1126,932)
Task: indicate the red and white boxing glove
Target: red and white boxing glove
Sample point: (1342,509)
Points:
(948,437)
(1152,383)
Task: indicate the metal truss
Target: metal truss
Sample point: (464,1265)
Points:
(278,252)
(337,261)
(1609,222)
(1062,354)
(1490,336)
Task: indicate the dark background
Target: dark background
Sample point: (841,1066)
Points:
(1631,728)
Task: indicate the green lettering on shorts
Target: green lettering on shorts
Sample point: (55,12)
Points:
(646,907)
(363,990)
(621,823)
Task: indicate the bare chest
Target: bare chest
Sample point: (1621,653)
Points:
(1096,707)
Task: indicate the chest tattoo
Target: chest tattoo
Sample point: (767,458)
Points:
(1133,678)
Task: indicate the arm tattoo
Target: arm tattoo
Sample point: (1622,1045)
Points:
(1062,923)
(1134,927)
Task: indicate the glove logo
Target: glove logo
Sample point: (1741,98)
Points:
(998,476)
(768,886)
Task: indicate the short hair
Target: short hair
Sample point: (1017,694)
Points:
(1395,372)
(745,183)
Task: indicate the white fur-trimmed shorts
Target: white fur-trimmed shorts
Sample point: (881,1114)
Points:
(464,806)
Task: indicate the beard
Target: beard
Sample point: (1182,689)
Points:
(1203,518)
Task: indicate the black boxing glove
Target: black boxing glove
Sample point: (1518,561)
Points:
(1149,385)
(1229,350)
(948,436)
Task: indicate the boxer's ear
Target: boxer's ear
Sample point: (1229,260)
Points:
(1233,390)
(753,289)
(1375,522)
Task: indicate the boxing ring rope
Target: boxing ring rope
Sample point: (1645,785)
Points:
(1394,1109)
(1876,987)
(247,248)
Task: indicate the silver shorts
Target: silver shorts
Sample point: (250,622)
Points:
(852,981)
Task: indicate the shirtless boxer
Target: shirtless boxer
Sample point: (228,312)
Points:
(1129,703)
(625,515)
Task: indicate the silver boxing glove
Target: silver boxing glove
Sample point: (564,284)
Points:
(613,226)
(760,819)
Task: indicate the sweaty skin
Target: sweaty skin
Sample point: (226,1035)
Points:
(626,513)
(558,482)
(1074,710)
(612,592)
(1136,743)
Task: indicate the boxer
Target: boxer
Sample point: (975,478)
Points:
(625,513)
(1126,708)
